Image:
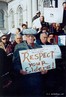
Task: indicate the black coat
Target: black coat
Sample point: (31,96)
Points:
(3,69)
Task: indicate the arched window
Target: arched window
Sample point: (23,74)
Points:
(46,3)
(55,1)
(1,19)
(19,15)
(12,18)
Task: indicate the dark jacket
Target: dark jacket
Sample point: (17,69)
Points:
(30,84)
(40,43)
(16,58)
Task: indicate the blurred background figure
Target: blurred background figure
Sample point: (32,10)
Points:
(64,15)
(24,26)
(38,13)
(18,39)
(52,27)
(58,30)
(43,23)
(65,29)
(51,38)
(43,30)
(5,44)
(43,39)
(18,30)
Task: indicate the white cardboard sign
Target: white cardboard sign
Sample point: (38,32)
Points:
(36,60)
(56,48)
(62,40)
(53,15)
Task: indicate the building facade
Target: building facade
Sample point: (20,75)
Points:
(16,12)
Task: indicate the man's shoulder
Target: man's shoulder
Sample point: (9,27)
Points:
(21,46)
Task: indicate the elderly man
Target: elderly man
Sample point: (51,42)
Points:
(43,39)
(29,84)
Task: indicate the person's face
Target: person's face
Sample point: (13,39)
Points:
(24,27)
(43,38)
(17,31)
(54,25)
(30,39)
(51,36)
(4,39)
(41,18)
(64,5)
(38,14)
(18,39)
(57,26)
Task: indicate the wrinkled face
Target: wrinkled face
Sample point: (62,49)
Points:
(30,39)
(43,38)
(4,39)
(18,39)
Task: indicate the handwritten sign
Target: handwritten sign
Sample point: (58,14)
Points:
(36,60)
(53,15)
(62,40)
(56,49)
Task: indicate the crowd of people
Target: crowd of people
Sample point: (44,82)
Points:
(13,78)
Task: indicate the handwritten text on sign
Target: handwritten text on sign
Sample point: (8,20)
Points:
(36,60)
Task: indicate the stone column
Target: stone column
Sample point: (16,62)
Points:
(15,20)
(29,12)
(53,3)
(34,7)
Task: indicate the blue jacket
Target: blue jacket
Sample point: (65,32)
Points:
(16,57)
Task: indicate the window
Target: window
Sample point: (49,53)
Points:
(20,15)
(12,18)
(46,3)
(56,3)
(1,19)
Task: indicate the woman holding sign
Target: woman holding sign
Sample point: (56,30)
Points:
(28,84)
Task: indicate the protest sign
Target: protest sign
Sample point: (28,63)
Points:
(62,40)
(36,60)
(36,23)
(56,49)
(53,15)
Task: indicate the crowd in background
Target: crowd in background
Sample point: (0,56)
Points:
(47,34)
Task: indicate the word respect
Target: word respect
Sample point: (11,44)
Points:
(37,56)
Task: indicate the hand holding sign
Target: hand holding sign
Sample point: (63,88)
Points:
(44,71)
(37,60)
(23,72)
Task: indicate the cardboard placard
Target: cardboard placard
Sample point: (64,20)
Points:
(36,60)
(53,15)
